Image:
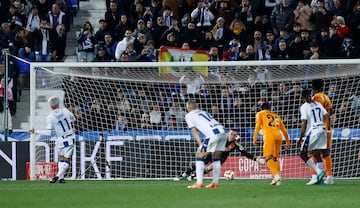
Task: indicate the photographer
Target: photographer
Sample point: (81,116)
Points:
(149,53)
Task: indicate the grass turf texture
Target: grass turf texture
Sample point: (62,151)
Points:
(170,194)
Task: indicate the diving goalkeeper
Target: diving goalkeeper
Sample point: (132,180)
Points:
(231,145)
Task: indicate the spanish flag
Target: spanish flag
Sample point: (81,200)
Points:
(173,54)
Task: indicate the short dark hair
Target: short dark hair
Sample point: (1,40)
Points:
(317,84)
(265,106)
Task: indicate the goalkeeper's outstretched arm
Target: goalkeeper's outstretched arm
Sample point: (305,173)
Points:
(249,155)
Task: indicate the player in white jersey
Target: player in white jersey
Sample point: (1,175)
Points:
(315,132)
(214,142)
(59,124)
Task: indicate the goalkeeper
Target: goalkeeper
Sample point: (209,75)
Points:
(231,145)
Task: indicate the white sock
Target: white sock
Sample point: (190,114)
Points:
(199,171)
(310,163)
(63,166)
(314,176)
(320,165)
(216,171)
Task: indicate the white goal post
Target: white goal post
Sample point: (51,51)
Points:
(154,142)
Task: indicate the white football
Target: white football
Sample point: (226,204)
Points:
(229,175)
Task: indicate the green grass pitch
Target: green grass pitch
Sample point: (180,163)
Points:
(170,194)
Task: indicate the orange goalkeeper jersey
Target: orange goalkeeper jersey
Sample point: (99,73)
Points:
(271,125)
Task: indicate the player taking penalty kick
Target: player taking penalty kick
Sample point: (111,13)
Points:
(273,130)
(59,123)
(214,143)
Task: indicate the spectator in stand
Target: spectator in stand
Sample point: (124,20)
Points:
(15,17)
(23,44)
(121,27)
(192,35)
(321,17)
(262,23)
(249,54)
(340,25)
(185,7)
(112,16)
(110,46)
(233,53)
(100,33)
(338,9)
(283,53)
(302,14)
(305,41)
(283,35)
(145,122)
(137,11)
(353,21)
(225,9)
(101,55)
(225,102)
(193,81)
(56,17)
(6,37)
(167,14)
(248,11)
(142,29)
(314,52)
(156,117)
(58,43)
(171,124)
(282,16)
(221,34)
(238,28)
(202,16)
(270,38)
(121,46)
(178,112)
(140,42)
(33,19)
(143,99)
(331,42)
(131,52)
(149,53)
(42,37)
(207,42)
(158,31)
(296,30)
(296,48)
(349,49)
(44,6)
(121,123)
(86,41)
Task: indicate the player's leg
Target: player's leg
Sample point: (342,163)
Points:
(268,152)
(218,148)
(199,168)
(65,155)
(328,167)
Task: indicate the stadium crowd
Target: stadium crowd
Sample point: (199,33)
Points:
(229,30)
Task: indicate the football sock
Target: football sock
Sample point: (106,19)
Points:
(199,171)
(311,163)
(62,166)
(216,171)
(320,165)
(272,166)
(328,165)
(312,171)
(277,166)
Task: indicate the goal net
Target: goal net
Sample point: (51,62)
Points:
(130,116)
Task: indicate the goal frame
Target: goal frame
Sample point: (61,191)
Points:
(34,65)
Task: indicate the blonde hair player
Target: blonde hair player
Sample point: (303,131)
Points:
(59,124)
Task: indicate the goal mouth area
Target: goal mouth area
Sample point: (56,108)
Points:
(103,95)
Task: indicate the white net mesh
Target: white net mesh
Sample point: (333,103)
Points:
(130,118)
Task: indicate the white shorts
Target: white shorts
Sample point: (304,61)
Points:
(216,143)
(66,146)
(315,140)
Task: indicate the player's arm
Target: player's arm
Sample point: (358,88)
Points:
(257,129)
(243,151)
(196,135)
(328,127)
(286,134)
(302,134)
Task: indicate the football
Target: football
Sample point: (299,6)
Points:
(229,175)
